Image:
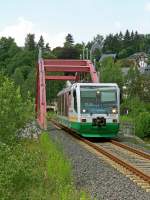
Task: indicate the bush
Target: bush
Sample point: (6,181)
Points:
(36,171)
(139,116)
(20,174)
(142,125)
(134,106)
(14,111)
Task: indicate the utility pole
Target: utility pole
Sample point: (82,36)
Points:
(87,53)
(83,53)
(40,53)
(98,44)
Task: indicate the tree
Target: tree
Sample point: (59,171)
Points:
(69,53)
(147,43)
(110,72)
(127,39)
(30,42)
(133,82)
(41,42)
(18,77)
(144,88)
(29,85)
(8,49)
(112,44)
(47,47)
(69,41)
(57,52)
(15,112)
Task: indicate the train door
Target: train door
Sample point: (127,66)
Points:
(73,116)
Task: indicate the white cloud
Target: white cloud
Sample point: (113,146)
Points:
(147,6)
(118,25)
(23,27)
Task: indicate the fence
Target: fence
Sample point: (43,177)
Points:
(127,128)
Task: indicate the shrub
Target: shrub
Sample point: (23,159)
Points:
(36,171)
(14,111)
(20,174)
(134,106)
(142,124)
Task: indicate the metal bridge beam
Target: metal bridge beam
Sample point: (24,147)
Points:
(56,68)
(61,78)
(56,65)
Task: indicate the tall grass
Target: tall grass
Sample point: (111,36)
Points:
(59,172)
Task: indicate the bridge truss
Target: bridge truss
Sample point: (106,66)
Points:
(73,70)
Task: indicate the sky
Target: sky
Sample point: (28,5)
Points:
(84,19)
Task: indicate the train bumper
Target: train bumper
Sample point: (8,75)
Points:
(88,130)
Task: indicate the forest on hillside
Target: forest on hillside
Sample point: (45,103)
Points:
(19,64)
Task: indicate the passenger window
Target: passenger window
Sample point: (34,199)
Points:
(75,100)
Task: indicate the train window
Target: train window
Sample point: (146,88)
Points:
(97,100)
(109,96)
(75,100)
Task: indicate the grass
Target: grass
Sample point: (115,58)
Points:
(36,170)
(58,170)
(51,114)
(126,118)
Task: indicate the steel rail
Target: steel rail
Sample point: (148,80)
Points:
(101,150)
(131,149)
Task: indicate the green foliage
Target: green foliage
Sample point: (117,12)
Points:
(52,88)
(41,42)
(110,72)
(69,41)
(18,77)
(14,112)
(132,80)
(134,106)
(126,44)
(20,174)
(138,84)
(36,171)
(8,49)
(142,124)
(24,173)
(139,116)
(30,43)
(29,85)
(59,172)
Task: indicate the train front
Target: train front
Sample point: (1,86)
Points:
(99,110)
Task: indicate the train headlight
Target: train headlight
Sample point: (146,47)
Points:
(83,110)
(114,110)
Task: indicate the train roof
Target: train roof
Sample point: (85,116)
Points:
(87,84)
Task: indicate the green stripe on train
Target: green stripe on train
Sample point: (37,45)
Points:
(87,130)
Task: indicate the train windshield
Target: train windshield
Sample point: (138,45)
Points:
(97,100)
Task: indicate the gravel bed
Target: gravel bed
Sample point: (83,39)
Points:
(93,174)
(134,142)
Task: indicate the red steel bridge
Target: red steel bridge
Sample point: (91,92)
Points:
(73,70)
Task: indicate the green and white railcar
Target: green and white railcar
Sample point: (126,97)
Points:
(91,109)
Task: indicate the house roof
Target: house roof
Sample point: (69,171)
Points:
(112,55)
(137,55)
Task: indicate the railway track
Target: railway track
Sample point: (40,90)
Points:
(133,163)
